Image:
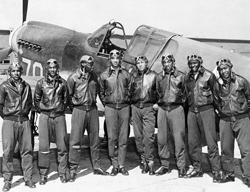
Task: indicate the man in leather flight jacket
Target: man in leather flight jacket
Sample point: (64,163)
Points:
(51,100)
(232,96)
(15,105)
(83,88)
(115,83)
(201,117)
(171,118)
(143,97)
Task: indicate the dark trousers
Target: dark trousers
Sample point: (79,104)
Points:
(48,128)
(171,124)
(199,123)
(80,121)
(229,130)
(144,127)
(13,132)
(117,125)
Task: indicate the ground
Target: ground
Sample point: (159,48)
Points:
(133,183)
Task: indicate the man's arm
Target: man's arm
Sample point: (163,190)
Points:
(70,86)
(38,96)
(2,98)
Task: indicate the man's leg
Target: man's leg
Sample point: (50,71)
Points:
(208,121)
(148,136)
(138,131)
(177,124)
(44,144)
(93,133)
(8,142)
(62,145)
(111,116)
(242,130)
(123,127)
(227,146)
(26,150)
(77,123)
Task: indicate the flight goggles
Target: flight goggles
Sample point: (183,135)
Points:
(54,61)
(87,59)
(167,58)
(114,53)
(143,58)
(224,62)
(194,57)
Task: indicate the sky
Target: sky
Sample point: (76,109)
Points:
(226,19)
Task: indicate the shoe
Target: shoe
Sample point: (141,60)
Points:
(43,180)
(218,177)
(228,177)
(144,168)
(114,171)
(162,171)
(181,173)
(30,184)
(151,169)
(123,171)
(7,186)
(72,176)
(63,178)
(246,181)
(195,173)
(99,171)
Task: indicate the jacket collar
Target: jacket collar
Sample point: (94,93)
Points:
(80,74)
(174,72)
(200,72)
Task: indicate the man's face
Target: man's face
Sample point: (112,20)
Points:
(141,65)
(86,66)
(52,69)
(15,73)
(225,71)
(167,66)
(194,66)
(115,61)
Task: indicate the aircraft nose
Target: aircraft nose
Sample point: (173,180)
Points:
(13,39)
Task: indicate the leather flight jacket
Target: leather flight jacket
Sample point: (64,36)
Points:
(51,96)
(199,89)
(115,86)
(171,89)
(232,99)
(15,102)
(143,88)
(83,90)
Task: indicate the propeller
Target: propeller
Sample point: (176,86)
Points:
(6,51)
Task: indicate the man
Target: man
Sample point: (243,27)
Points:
(232,96)
(50,99)
(201,117)
(143,97)
(171,117)
(83,89)
(115,83)
(15,105)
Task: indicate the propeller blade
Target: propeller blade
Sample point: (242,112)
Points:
(25,9)
(4,53)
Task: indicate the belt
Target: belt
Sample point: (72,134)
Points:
(85,107)
(142,105)
(235,117)
(169,107)
(197,109)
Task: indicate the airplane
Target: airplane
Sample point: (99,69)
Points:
(35,42)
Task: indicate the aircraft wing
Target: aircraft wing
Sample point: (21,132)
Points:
(4,53)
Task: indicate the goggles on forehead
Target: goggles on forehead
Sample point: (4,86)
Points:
(167,58)
(86,59)
(143,58)
(114,53)
(195,57)
(52,61)
(224,62)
